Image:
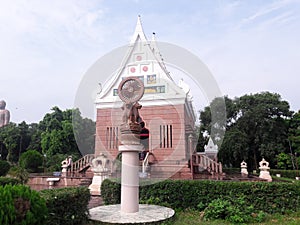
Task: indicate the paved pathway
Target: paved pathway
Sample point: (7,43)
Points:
(95,201)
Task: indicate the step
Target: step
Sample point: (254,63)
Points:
(165,168)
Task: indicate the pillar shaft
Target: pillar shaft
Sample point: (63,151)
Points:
(130,180)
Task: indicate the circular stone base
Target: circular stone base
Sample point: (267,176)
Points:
(146,214)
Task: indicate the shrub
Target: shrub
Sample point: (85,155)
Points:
(19,173)
(31,160)
(234,210)
(269,197)
(8,180)
(111,192)
(20,205)
(67,205)
(286,173)
(4,167)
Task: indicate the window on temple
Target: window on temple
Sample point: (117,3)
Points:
(112,137)
(166,136)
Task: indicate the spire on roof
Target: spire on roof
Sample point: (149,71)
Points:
(154,48)
(211,147)
(156,52)
(139,32)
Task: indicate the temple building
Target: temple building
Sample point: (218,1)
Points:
(167,109)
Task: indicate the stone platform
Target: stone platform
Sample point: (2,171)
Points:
(147,214)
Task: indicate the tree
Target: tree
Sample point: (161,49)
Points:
(255,127)
(66,133)
(294,139)
(10,137)
(234,148)
(284,161)
(84,132)
(4,167)
(35,134)
(262,117)
(213,122)
(294,133)
(31,160)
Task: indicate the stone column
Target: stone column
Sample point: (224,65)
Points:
(191,146)
(130,178)
(130,91)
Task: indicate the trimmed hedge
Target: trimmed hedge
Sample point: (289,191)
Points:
(286,173)
(8,180)
(270,197)
(67,205)
(19,205)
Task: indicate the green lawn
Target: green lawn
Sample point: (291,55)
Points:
(194,218)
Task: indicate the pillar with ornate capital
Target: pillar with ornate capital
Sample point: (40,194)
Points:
(130,91)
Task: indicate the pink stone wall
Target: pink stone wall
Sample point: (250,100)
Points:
(40,182)
(154,116)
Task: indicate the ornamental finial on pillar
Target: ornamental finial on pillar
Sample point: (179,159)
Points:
(130,91)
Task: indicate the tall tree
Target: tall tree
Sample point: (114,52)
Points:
(10,137)
(256,127)
(214,120)
(261,120)
(294,140)
(66,133)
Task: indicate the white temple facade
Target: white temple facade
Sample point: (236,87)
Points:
(166,106)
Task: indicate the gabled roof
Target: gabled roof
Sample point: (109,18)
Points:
(150,54)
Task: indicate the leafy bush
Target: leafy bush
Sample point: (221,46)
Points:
(67,205)
(269,197)
(111,192)
(20,205)
(31,160)
(4,167)
(233,210)
(284,161)
(8,180)
(19,173)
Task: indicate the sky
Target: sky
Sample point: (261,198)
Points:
(46,47)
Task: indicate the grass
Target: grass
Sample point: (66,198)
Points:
(195,218)
(190,217)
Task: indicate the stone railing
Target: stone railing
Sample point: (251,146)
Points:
(82,163)
(145,163)
(205,163)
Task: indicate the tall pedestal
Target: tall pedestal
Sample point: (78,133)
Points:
(130,178)
(100,167)
(264,170)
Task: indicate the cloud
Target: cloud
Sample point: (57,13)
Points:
(47,46)
(266,11)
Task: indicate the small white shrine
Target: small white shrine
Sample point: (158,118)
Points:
(211,150)
(264,170)
(101,168)
(244,170)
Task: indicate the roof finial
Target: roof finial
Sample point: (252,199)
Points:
(138,32)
